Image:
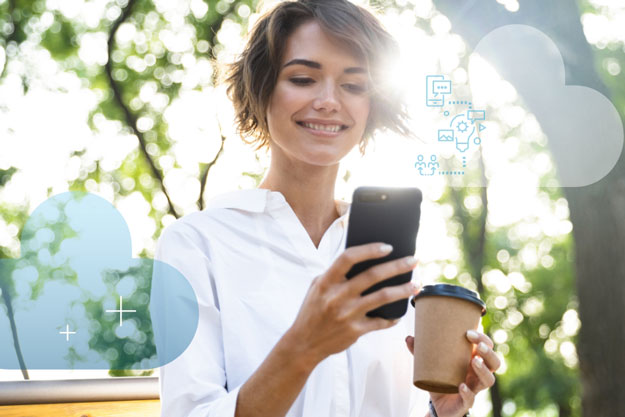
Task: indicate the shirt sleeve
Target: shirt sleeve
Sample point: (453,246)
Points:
(195,384)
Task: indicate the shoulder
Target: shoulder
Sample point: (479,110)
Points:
(227,209)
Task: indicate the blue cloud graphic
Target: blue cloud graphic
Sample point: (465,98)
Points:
(81,301)
(584,130)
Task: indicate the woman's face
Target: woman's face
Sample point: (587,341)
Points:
(319,107)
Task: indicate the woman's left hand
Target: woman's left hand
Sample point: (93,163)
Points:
(479,377)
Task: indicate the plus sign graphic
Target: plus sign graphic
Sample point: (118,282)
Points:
(67,332)
(121,311)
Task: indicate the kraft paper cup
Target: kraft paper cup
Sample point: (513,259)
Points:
(442,353)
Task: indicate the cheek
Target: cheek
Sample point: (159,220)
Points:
(362,109)
(361,105)
(282,105)
(366,109)
(285,97)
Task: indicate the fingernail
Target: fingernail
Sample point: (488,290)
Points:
(464,387)
(472,334)
(385,248)
(415,287)
(410,261)
(482,348)
(479,362)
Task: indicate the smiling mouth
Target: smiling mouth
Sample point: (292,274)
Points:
(323,128)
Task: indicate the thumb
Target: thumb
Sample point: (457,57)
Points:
(410,343)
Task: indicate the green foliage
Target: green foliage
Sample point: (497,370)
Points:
(139,61)
(525,303)
(124,359)
(60,38)
(32,244)
(6,174)
(609,62)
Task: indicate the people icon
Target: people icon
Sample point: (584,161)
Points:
(433,165)
(420,165)
(428,169)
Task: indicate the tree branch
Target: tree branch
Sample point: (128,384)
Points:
(479,253)
(210,38)
(200,201)
(131,119)
(212,33)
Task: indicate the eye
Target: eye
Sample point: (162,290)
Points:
(356,88)
(302,81)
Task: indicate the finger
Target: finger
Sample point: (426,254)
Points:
(485,376)
(468,396)
(385,295)
(353,255)
(491,359)
(410,344)
(380,272)
(477,337)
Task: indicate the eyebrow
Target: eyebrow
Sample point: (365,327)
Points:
(316,65)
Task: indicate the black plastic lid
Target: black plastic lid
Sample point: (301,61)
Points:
(449,290)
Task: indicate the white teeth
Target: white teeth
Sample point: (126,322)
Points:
(326,128)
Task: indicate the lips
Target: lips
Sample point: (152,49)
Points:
(333,127)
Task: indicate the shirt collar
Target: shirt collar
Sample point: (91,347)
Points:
(253,200)
(258,200)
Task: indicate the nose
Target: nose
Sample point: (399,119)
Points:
(327,98)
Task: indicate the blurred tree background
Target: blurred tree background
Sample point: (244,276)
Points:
(142,70)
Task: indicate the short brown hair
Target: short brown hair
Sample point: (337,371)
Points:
(252,78)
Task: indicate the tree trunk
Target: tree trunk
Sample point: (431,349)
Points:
(597,211)
(6,297)
(565,410)
(475,246)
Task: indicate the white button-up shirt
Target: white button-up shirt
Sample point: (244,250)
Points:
(250,262)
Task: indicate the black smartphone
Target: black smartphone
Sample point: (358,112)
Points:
(390,215)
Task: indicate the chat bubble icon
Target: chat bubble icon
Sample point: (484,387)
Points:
(441,87)
(476,115)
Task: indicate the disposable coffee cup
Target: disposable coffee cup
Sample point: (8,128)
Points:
(442,352)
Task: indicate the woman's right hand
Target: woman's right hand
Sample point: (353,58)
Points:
(332,316)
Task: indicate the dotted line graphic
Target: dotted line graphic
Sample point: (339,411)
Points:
(467,102)
(450,172)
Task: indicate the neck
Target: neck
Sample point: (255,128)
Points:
(309,190)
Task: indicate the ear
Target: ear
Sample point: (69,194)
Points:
(362,145)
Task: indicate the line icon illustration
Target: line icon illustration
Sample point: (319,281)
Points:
(67,332)
(436,87)
(445,135)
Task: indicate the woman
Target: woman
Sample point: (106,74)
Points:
(281,331)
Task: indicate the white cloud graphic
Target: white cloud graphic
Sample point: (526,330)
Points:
(584,129)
